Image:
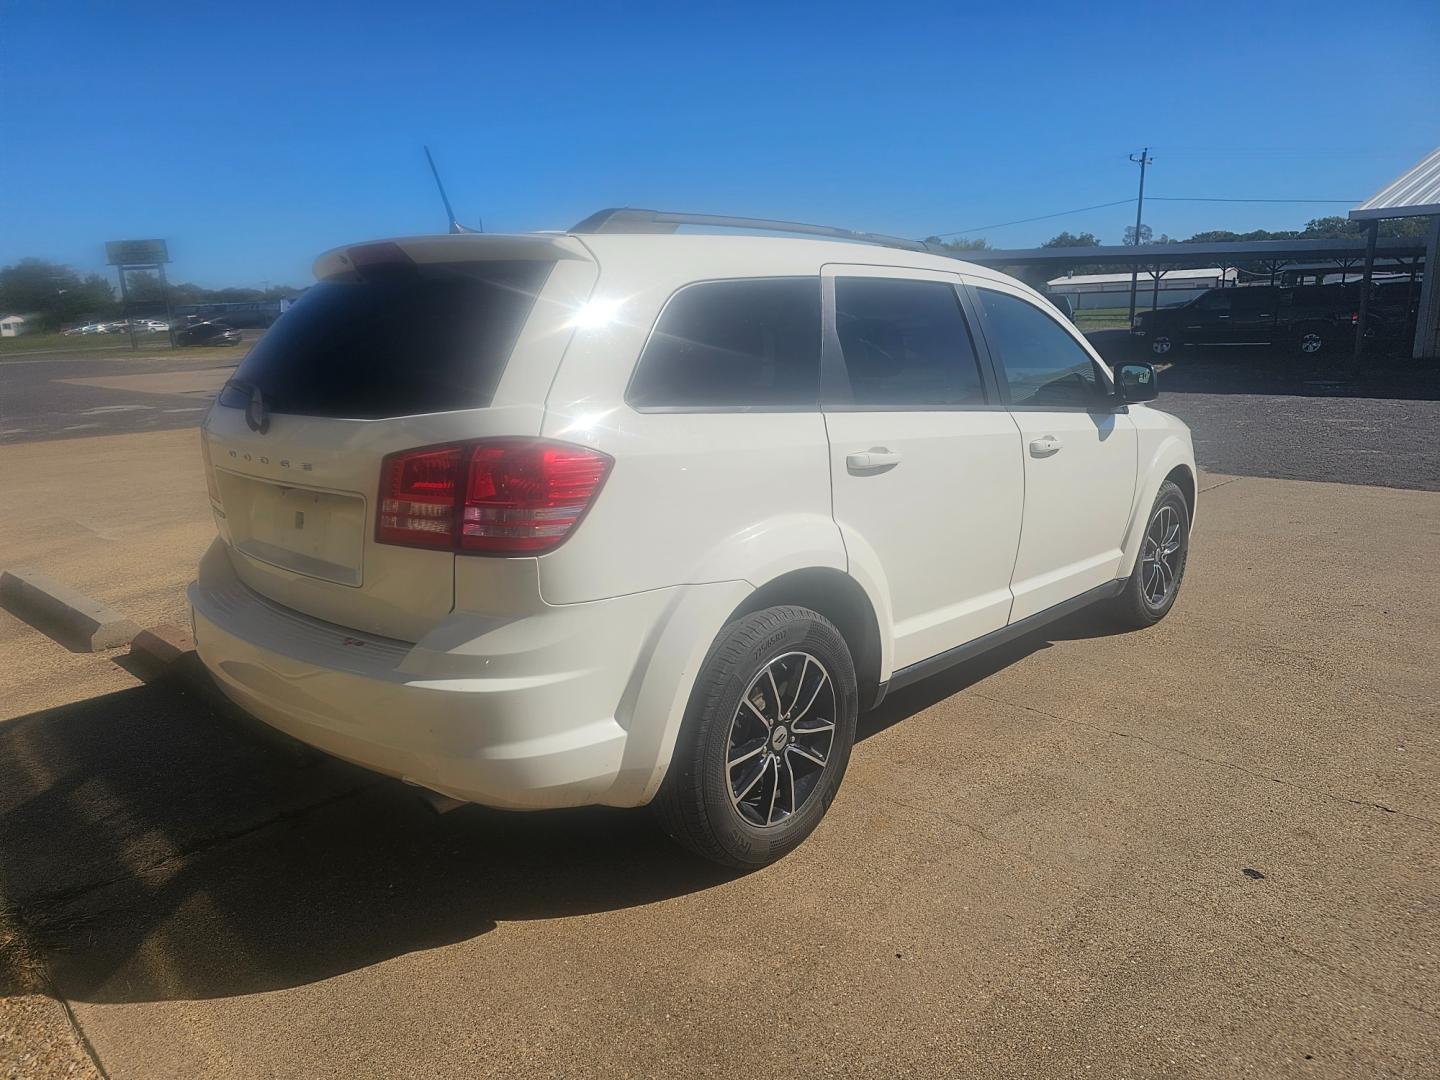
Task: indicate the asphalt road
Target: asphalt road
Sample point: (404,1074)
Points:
(78,396)
(1207,849)
(1252,414)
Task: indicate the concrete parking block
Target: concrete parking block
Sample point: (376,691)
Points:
(163,644)
(64,613)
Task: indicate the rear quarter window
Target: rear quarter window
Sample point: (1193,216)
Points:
(404,339)
(734,344)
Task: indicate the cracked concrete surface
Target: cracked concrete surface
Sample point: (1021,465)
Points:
(1208,849)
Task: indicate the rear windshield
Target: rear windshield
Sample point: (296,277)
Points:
(407,339)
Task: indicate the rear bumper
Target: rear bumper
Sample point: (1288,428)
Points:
(519,713)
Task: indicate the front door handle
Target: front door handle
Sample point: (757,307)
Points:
(1045,446)
(872,460)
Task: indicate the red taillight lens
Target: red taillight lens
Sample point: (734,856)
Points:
(1354,318)
(490,497)
(417,497)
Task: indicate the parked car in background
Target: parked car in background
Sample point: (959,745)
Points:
(1306,319)
(612,517)
(1390,323)
(207,333)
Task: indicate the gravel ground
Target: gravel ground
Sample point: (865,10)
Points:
(1343,440)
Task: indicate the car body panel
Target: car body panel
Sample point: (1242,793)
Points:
(564,679)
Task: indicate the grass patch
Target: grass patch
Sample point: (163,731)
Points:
(80,342)
(109,346)
(1103,318)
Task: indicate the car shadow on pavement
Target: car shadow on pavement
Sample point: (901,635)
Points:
(155,849)
(902,704)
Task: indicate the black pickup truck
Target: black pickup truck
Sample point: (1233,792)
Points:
(1309,319)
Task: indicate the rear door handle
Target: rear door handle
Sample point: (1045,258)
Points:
(877,457)
(1045,446)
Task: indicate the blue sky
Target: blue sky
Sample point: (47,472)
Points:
(254,136)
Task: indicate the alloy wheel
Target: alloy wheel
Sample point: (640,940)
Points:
(1160,346)
(1311,342)
(780,739)
(1158,562)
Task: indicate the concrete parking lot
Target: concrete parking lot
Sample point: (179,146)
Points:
(1207,849)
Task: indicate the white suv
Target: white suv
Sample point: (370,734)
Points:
(624,516)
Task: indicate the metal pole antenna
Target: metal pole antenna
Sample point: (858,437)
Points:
(1143,160)
(452,223)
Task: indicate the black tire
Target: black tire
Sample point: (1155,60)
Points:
(696,804)
(1162,345)
(1141,604)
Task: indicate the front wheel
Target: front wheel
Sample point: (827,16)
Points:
(766,739)
(1161,344)
(1154,584)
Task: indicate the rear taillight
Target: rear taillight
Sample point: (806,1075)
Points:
(1354,318)
(488,497)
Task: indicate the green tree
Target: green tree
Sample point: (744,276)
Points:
(1326,228)
(959,245)
(53,294)
(1146,233)
(1069,239)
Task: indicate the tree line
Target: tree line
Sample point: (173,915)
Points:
(54,295)
(1322,228)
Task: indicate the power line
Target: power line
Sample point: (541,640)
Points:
(1041,217)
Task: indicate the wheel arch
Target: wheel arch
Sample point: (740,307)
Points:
(841,599)
(1182,477)
(1169,459)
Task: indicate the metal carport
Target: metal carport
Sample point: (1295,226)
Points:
(1271,255)
(1414,193)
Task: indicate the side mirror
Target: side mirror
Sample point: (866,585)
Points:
(1135,382)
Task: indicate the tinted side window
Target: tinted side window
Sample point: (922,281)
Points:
(905,343)
(1043,364)
(730,344)
(1219,300)
(1253,298)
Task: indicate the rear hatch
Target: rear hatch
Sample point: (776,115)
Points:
(401,344)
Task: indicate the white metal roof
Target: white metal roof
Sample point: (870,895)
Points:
(1414,193)
(1106,279)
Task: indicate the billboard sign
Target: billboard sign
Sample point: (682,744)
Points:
(136,252)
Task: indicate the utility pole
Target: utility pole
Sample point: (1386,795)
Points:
(1143,160)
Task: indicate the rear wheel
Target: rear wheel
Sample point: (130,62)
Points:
(1312,340)
(766,739)
(1155,582)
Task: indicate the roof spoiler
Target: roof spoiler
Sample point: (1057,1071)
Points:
(341,262)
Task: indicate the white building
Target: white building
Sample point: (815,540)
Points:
(1205,278)
(12,325)
(1087,291)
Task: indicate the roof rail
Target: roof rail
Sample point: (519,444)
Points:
(628,220)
